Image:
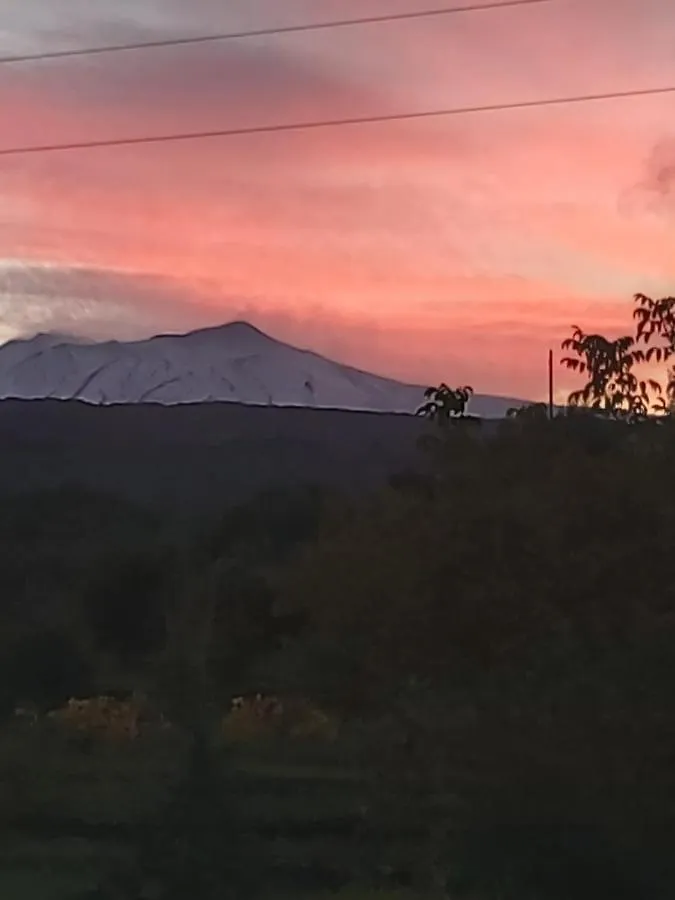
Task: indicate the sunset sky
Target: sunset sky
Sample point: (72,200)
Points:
(455,249)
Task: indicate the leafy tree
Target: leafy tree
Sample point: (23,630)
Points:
(443,402)
(265,529)
(536,412)
(243,627)
(197,843)
(45,668)
(412,480)
(497,623)
(230,581)
(656,320)
(566,788)
(126,601)
(613,388)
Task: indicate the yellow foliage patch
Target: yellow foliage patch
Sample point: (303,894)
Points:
(260,717)
(101,717)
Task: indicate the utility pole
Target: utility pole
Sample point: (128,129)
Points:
(550,385)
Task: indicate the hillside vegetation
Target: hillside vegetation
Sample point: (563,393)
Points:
(454,683)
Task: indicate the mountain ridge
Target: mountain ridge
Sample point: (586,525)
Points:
(233,362)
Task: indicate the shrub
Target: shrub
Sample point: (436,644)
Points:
(104,718)
(264,717)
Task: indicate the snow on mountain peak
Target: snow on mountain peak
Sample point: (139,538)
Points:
(51,338)
(232,332)
(235,362)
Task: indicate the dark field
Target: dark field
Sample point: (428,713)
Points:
(69,816)
(86,483)
(194,457)
(342,661)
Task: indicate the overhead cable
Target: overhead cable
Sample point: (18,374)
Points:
(269,32)
(175,137)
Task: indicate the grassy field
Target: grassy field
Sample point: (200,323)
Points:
(67,813)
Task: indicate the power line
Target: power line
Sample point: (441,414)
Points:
(268,32)
(331,123)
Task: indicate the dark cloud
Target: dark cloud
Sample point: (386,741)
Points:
(66,24)
(96,303)
(104,304)
(216,78)
(53,25)
(202,87)
(655,191)
(221,84)
(661,170)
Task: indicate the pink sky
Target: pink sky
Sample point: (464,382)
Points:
(455,249)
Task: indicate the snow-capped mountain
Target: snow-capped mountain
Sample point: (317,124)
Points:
(234,362)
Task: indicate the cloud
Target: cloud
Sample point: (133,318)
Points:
(52,25)
(100,304)
(203,87)
(659,181)
(453,248)
(651,197)
(496,352)
(92,302)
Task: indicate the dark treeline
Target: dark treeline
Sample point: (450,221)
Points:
(496,627)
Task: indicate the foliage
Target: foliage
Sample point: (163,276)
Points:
(656,320)
(226,591)
(264,717)
(537,412)
(51,542)
(125,602)
(107,718)
(44,669)
(434,567)
(510,608)
(266,528)
(496,626)
(568,789)
(612,387)
(443,402)
(99,717)
(196,845)
(243,625)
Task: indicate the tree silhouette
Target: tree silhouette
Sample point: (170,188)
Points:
(124,602)
(535,412)
(496,630)
(612,387)
(443,403)
(656,319)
